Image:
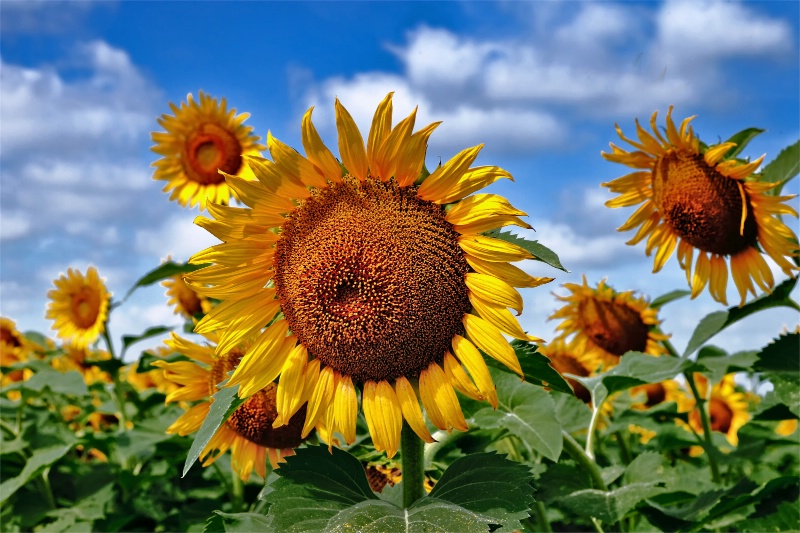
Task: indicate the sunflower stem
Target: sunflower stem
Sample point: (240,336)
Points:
(237,491)
(412,447)
(582,458)
(123,420)
(624,447)
(541,516)
(47,489)
(590,433)
(701,406)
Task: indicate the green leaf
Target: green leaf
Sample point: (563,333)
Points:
(787,390)
(715,322)
(783,168)
(539,251)
(161,272)
(128,340)
(781,355)
(221,522)
(718,365)
(645,468)
(527,412)
(427,514)
(225,403)
(787,518)
(664,299)
(561,479)
(634,368)
(610,506)
(39,460)
(741,139)
(535,367)
(69,383)
(147,359)
(573,414)
(490,485)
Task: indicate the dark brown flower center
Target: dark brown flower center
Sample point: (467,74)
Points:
(9,338)
(208,149)
(720,416)
(85,306)
(614,327)
(253,419)
(701,205)
(655,394)
(371,279)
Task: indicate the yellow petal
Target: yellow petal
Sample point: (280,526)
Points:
(514,276)
(411,156)
(317,152)
(489,249)
(473,180)
(479,206)
(384,416)
(270,340)
(379,131)
(386,158)
(472,359)
(446,177)
(494,290)
(290,163)
(345,405)
(438,394)
(501,318)
(351,144)
(702,270)
(460,379)
(320,398)
(489,339)
(289,395)
(410,408)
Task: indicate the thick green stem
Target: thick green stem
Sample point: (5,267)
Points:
(701,407)
(579,456)
(412,448)
(237,492)
(47,490)
(123,421)
(624,448)
(541,517)
(590,433)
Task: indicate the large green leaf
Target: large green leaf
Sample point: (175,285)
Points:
(225,403)
(783,168)
(718,363)
(40,459)
(787,390)
(664,299)
(161,272)
(539,251)
(221,522)
(781,355)
(490,485)
(526,411)
(715,322)
(426,515)
(610,506)
(535,367)
(786,518)
(561,479)
(742,139)
(634,368)
(69,383)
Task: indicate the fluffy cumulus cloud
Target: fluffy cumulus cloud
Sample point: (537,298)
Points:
(582,61)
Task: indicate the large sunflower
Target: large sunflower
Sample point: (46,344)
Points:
(201,139)
(248,433)
(608,323)
(366,276)
(79,307)
(694,199)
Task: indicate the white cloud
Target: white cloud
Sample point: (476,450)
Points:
(178,237)
(13,225)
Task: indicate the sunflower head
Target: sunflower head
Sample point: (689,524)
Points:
(248,432)
(727,408)
(79,307)
(653,394)
(693,198)
(203,138)
(82,359)
(359,276)
(14,348)
(609,323)
(184,299)
(568,358)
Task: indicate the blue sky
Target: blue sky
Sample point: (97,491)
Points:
(540,83)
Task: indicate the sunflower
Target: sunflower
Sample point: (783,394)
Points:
(248,433)
(79,307)
(692,198)
(727,408)
(14,348)
(81,359)
(384,281)
(567,358)
(608,323)
(652,394)
(201,139)
(186,301)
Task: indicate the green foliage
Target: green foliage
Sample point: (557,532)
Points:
(742,139)
(539,251)
(226,401)
(162,272)
(535,367)
(783,168)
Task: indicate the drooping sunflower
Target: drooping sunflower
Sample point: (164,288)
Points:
(185,300)
(248,433)
(608,323)
(694,199)
(202,138)
(727,408)
(79,307)
(381,280)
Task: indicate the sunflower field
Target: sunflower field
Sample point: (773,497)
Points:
(352,361)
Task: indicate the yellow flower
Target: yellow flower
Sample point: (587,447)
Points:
(378,282)
(14,348)
(82,360)
(693,199)
(653,394)
(568,358)
(152,379)
(79,307)
(186,301)
(607,324)
(727,408)
(201,139)
(248,433)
